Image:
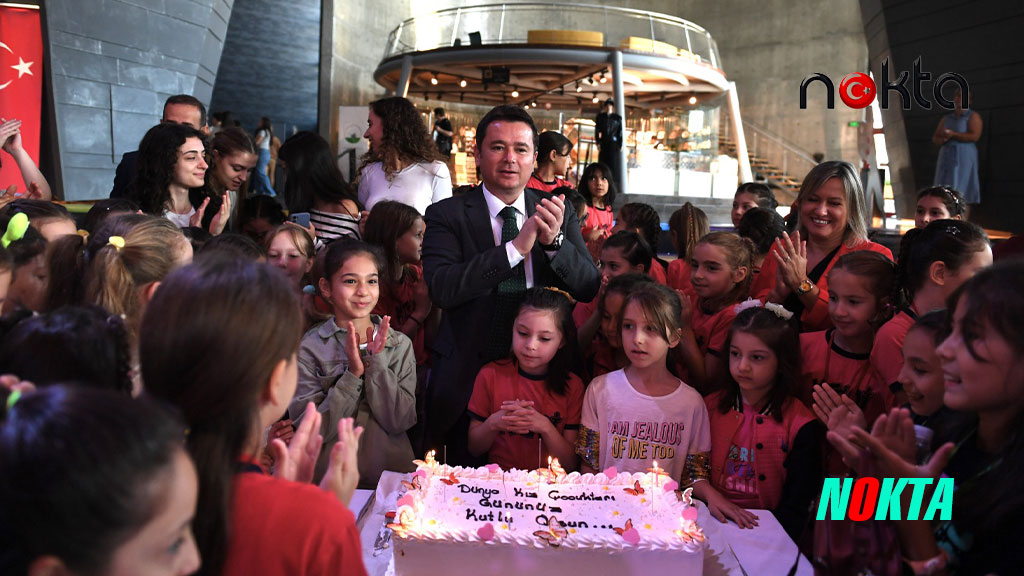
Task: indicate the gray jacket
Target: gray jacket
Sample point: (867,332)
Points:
(383,401)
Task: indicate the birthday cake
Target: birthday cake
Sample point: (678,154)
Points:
(478,521)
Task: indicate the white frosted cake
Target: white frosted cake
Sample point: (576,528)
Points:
(479,521)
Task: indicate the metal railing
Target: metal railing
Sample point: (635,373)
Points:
(792,161)
(510,23)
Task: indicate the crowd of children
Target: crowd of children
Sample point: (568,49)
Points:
(220,398)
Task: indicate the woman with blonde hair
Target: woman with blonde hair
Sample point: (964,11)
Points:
(831,220)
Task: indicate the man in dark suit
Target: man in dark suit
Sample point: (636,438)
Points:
(481,251)
(178,109)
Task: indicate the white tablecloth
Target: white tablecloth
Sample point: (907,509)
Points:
(731,551)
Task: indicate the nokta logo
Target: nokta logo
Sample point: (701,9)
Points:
(866,499)
(858,90)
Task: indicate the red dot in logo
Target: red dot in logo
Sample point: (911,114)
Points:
(857,90)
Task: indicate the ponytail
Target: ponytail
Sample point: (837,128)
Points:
(952,242)
(690,225)
(145,254)
(739,254)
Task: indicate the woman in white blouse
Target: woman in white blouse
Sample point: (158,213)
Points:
(403,163)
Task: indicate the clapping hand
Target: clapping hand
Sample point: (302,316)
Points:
(549,215)
(791,254)
(295,460)
(342,475)
(837,411)
(891,444)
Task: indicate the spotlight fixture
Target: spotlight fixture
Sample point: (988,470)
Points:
(463,83)
(433,80)
(562,90)
(515,93)
(526,106)
(596,99)
(603,79)
(693,99)
(578,88)
(534,103)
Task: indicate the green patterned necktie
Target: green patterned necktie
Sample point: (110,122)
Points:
(510,293)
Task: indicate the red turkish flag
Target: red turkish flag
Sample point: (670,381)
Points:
(21,83)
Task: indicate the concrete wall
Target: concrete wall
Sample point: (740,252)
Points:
(767,48)
(978,41)
(114,62)
(271,65)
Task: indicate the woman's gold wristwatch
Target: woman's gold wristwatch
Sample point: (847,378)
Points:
(805,287)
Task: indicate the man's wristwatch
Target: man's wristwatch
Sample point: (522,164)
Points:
(556,243)
(805,287)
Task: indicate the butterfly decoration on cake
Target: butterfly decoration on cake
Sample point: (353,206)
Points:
(428,461)
(416,483)
(636,490)
(628,533)
(685,496)
(401,524)
(554,534)
(451,480)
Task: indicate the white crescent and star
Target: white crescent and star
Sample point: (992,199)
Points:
(22,67)
(849,89)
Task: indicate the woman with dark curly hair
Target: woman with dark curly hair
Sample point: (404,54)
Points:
(313,183)
(403,163)
(170,175)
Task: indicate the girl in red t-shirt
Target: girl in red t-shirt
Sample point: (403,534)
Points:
(398,230)
(862,291)
(598,188)
(528,407)
(687,225)
(554,160)
(934,262)
(720,277)
(765,443)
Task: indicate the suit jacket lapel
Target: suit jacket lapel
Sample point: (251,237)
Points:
(479,220)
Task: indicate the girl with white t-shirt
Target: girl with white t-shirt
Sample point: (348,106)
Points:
(642,413)
(403,163)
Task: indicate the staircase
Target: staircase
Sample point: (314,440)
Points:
(773,161)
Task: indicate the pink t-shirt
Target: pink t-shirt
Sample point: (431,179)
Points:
(635,429)
(740,475)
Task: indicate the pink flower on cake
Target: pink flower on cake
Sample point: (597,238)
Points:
(610,472)
(406,500)
(493,468)
(690,514)
(486,532)
(671,485)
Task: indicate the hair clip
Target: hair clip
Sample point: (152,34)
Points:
(13,398)
(748,303)
(952,229)
(16,228)
(117,242)
(779,310)
(572,301)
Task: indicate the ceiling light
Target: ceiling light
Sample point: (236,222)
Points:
(596,99)
(693,99)
(603,79)
(515,93)
(433,80)
(463,83)
(579,88)
(534,103)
